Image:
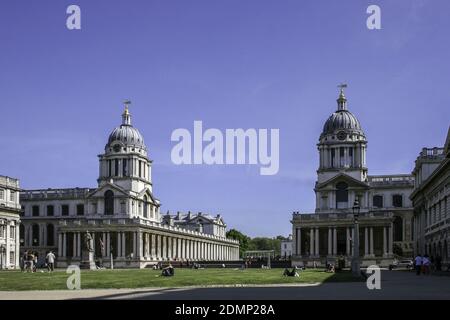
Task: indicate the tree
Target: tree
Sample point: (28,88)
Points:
(242,238)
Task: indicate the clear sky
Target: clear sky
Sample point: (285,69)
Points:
(231,64)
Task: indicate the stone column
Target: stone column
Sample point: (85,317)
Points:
(108,244)
(317,253)
(299,241)
(330,245)
(79,244)
(164,247)
(347,247)
(147,245)
(64,251)
(179,248)
(158,247)
(135,254)
(60,244)
(139,246)
(169,246)
(17,255)
(334,241)
(44,235)
(384,241)
(124,247)
(391,238)
(366,241)
(119,244)
(74,244)
(311,242)
(103,253)
(8,244)
(371,241)
(188,249)
(153,246)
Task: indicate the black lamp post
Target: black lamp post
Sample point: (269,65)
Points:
(355,261)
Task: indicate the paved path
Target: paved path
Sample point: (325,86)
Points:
(394,285)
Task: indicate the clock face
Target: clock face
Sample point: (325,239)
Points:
(116,148)
(341,135)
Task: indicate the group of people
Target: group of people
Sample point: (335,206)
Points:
(422,264)
(30,259)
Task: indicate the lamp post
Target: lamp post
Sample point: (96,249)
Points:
(355,261)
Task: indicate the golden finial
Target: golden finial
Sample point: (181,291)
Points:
(127,103)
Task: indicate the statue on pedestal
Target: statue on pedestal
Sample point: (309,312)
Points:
(87,253)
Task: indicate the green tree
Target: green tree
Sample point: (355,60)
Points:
(242,238)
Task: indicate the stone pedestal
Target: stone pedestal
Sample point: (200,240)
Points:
(87,260)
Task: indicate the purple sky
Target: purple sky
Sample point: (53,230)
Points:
(231,64)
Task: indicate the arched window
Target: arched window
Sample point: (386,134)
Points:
(398,229)
(35,235)
(378,201)
(50,235)
(341,195)
(145,207)
(109,202)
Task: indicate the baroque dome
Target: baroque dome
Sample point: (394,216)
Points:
(342,120)
(126,133)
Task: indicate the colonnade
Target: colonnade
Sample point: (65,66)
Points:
(150,246)
(313,240)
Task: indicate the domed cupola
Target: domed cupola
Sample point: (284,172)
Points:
(126,134)
(342,122)
(125,161)
(342,145)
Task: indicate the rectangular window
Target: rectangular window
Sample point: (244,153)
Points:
(50,211)
(378,201)
(12,232)
(80,209)
(2,194)
(12,196)
(109,168)
(35,210)
(2,231)
(64,210)
(397,201)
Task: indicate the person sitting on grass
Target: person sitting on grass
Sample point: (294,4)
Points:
(330,268)
(292,273)
(168,271)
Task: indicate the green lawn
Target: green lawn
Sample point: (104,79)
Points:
(101,279)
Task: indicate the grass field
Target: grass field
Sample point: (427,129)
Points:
(102,279)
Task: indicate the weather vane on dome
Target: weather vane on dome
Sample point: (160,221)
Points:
(342,86)
(127,103)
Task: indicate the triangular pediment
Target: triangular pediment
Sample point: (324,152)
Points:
(100,192)
(148,193)
(352,182)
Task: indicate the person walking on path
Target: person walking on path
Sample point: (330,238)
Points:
(50,261)
(418,264)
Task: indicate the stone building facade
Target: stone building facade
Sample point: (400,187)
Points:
(122,215)
(431,200)
(342,178)
(9,223)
